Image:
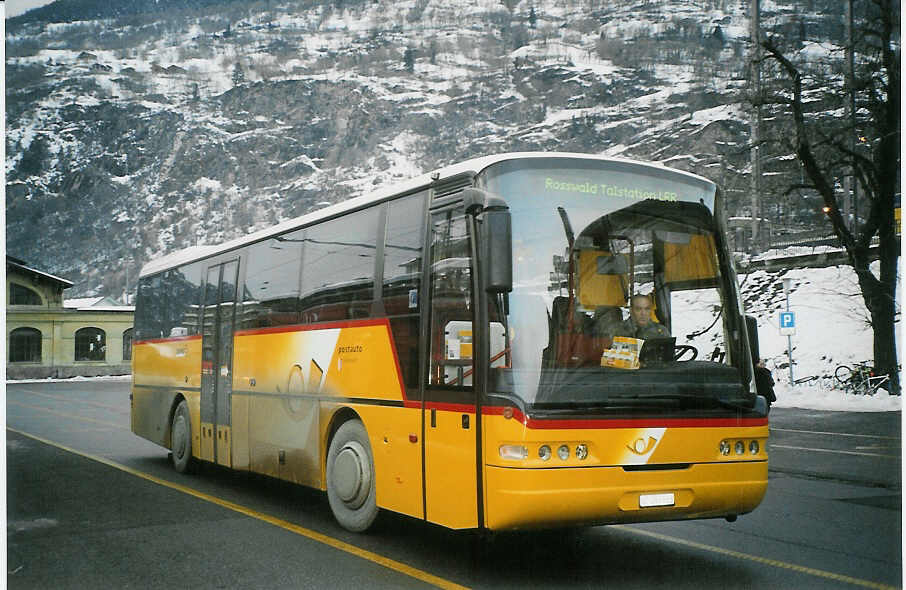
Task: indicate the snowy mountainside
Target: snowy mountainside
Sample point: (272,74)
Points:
(139,133)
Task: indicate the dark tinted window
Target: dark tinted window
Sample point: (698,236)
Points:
(183,287)
(167,304)
(149,316)
(402,272)
(338,268)
(21,295)
(271,296)
(127,345)
(25,345)
(90,344)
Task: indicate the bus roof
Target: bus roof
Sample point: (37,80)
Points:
(474,166)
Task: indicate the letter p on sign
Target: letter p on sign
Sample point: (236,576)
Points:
(787,323)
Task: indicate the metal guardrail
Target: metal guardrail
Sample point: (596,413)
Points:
(806,238)
(813,260)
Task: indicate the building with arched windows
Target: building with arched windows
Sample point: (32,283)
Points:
(47,336)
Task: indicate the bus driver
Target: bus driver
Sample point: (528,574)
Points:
(639,324)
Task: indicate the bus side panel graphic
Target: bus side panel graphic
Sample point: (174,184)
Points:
(355,360)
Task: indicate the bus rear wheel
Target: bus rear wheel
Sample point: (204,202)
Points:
(181,440)
(350,478)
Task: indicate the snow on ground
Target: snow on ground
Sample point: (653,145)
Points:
(831,329)
(817,397)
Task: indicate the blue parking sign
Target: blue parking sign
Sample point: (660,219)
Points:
(787,323)
(787,319)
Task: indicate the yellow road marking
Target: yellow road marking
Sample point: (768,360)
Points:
(65,415)
(313,535)
(763,560)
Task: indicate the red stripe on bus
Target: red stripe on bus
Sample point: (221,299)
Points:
(396,363)
(170,339)
(449,407)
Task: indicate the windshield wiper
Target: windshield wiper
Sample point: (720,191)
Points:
(724,403)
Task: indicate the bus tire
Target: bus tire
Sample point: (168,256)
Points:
(181,440)
(350,477)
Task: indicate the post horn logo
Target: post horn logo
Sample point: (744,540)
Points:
(642,446)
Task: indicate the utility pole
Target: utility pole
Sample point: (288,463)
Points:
(789,334)
(850,200)
(755,122)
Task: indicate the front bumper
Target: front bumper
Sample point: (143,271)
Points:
(550,497)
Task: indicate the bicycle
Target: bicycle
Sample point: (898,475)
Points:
(860,379)
(821,381)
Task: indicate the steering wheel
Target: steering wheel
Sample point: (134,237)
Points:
(682,349)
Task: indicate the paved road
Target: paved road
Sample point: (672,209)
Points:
(90,505)
(861,448)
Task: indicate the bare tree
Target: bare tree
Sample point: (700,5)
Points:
(824,148)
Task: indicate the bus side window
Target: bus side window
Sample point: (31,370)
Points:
(271,294)
(451,299)
(148,309)
(183,286)
(338,268)
(402,273)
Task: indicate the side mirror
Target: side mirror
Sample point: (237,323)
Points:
(496,238)
(752,330)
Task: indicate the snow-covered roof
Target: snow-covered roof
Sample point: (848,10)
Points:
(20,265)
(473,166)
(82,302)
(96,304)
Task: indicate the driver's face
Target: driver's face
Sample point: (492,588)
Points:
(640,310)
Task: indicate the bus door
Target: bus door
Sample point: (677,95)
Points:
(217,362)
(449,410)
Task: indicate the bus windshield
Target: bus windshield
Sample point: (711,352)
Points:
(620,301)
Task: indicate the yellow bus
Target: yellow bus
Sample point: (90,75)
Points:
(458,349)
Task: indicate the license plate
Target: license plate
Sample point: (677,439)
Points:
(652,500)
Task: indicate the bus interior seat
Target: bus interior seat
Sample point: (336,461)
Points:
(603,278)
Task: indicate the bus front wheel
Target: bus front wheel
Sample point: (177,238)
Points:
(181,440)
(350,477)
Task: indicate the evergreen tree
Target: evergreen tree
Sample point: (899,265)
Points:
(238,75)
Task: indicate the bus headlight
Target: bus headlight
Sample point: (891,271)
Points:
(581,452)
(514,452)
(724,447)
(754,447)
(544,452)
(563,452)
(740,447)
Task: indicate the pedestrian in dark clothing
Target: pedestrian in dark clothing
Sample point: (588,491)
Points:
(764,383)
